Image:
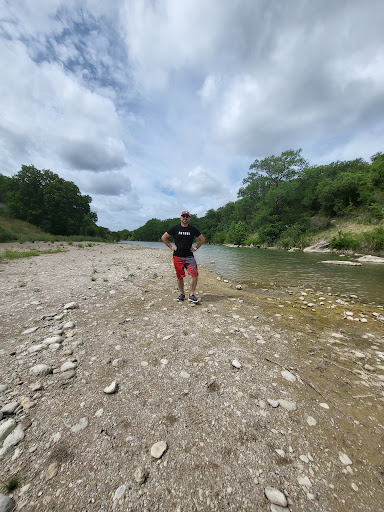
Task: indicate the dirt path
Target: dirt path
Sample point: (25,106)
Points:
(247,389)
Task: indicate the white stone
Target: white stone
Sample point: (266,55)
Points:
(275,496)
(158,449)
(14,437)
(273,403)
(71,305)
(354,486)
(52,339)
(236,364)
(51,471)
(304,481)
(68,325)
(68,365)
(184,375)
(112,388)
(30,331)
(324,405)
(311,421)
(288,406)
(345,459)
(83,424)
(41,369)
(6,428)
(9,408)
(36,348)
(288,375)
(119,492)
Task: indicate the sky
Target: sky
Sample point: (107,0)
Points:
(152,107)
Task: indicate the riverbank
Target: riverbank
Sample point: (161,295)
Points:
(248,390)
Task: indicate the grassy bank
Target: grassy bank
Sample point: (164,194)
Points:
(14,230)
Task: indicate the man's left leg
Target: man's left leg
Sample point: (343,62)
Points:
(192,285)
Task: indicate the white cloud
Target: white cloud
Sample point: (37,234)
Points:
(152,107)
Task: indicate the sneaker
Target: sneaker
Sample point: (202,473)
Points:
(181,297)
(192,298)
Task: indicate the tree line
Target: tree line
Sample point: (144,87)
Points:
(284,202)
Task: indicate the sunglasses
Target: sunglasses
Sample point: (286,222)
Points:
(185,215)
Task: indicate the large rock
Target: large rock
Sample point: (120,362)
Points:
(321,246)
(342,262)
(6,504)
(371,259)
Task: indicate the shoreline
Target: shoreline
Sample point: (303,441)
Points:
(231,430)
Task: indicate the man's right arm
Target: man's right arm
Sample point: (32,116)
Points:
(165,239)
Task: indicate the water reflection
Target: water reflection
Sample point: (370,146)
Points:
(262,268)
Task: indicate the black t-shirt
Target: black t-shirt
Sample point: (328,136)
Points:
(183,237)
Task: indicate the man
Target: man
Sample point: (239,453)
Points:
(183,235)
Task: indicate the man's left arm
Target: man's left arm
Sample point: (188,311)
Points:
(200,242)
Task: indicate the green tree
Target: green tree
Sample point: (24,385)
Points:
(48,201)
(287,166)
(238,233)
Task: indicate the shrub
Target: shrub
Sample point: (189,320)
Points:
(374,240)
(6,236)
(345,242)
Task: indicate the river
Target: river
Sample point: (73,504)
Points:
(267,268)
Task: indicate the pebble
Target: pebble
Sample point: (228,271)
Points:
(9,408)
(236,364)
(311,421)
(112,388)
(14,437)
(288,406)
(68,365)
(41,369)
(141,474)
(354,486)
(69,374)
(273,403)
(158,449)
(275,496)
(30,330)
(324,405)
(184,375)
(345,459)
(71,305)
(83,424)
(3,387)
(6,428)
(304,481)
(288,376)
(119,492)
(51,471)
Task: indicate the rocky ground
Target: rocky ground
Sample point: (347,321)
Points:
(114,396)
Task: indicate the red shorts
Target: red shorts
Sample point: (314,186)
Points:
(188,263)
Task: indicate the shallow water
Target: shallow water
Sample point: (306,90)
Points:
(265,268)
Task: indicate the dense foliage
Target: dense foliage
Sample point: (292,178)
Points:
(285,202)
